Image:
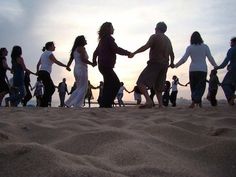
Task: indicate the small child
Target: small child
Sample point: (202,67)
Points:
(174,88)
(213,87)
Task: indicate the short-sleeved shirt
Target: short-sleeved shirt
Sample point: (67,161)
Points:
(46,63)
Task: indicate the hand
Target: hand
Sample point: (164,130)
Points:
(172,65)
(131,55)
(68,68)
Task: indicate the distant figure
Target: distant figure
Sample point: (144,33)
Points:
(120,94)
(154,75)
(101,85)
(79,54)
(13,95)
(44,69)
(73,88)
(213,87)
(89,94)
(28,87)
(4,88)
(174,90)
(106,52)
(18,67)
(229,81)
(198,51)
(137,94)
(166,94)
(62,90)
(38,92)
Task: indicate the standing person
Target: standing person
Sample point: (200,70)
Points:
(18,67)
(100,92)
(198,51)
(213,87)
(154,75)
(62,90)
(4,89)
(89,94)
(28,86)
(44,69)
(79,54)
(38,92)
(229,81)
(166,94)
(137,94)
(174,90)
(120,94)
(106,52)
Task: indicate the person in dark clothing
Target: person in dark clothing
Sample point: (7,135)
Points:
(28,86)
(62,90)
(166,94)
(106,53)
(4,89)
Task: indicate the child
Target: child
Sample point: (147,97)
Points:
(213,87)
(38,93)
(174,89)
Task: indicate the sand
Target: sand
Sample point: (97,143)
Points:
(118,142)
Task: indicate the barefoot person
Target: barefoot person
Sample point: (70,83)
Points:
(154,75)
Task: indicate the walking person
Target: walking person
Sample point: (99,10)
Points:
(137,95)
(44,69)
(4,88)
(229,81)
(62,90)
(106,53)
(38,92)
(18,67)
(198,51)
(174,90)
(166,94)
(89,94)
(120,94)
(154,75)
(80,56)
(213,87)
(28,87)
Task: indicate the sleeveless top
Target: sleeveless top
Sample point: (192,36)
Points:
(18,74)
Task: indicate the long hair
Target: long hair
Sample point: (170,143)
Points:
(79,41)
(104,30)
(196,38)
(2,51)
(16,52)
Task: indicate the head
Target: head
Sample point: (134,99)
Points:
(16,52)
(105,30)
(167,84)
(161,27)
(64,79)
(49,46)
(38,79)
(3,52)
(174,77)
(121,83)
(80,41)
(233,42)
(196,38)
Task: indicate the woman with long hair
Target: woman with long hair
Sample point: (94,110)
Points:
(79,54)
(18,69)
(198,51)
(106,53)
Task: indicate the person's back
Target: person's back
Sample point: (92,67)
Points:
(160,49)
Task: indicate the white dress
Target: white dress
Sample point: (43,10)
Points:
(81,77)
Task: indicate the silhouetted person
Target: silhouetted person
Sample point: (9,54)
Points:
(154,75)
(62,90)
(166,94)
(213,87)
(197,51)
(106,53)
(28,86)
(229,81)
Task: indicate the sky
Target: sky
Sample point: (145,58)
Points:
(31,24)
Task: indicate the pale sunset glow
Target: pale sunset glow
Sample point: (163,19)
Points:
(31,24)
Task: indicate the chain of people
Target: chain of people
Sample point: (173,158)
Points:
(151,81)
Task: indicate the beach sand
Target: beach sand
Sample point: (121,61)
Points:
(118,142)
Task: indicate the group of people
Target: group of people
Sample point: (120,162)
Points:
(153,77)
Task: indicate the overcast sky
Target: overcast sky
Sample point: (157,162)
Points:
(31,24)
